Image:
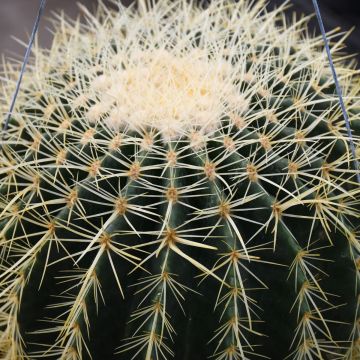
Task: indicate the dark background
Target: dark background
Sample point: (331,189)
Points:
(17,17)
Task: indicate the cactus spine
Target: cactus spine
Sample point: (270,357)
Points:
(176,182)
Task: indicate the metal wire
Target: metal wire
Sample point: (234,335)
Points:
(26,58)
(338,88)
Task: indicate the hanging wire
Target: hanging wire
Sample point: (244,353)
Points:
(338,88)
(26,58)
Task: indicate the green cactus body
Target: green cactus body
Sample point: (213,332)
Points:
(176,182)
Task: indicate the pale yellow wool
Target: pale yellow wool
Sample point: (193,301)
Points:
(172,93)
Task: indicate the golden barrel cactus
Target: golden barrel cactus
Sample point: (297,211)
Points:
(176,182)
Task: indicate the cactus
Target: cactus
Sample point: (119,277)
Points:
(177,182)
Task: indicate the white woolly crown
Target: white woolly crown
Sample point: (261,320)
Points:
(167,91)
(160,78)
